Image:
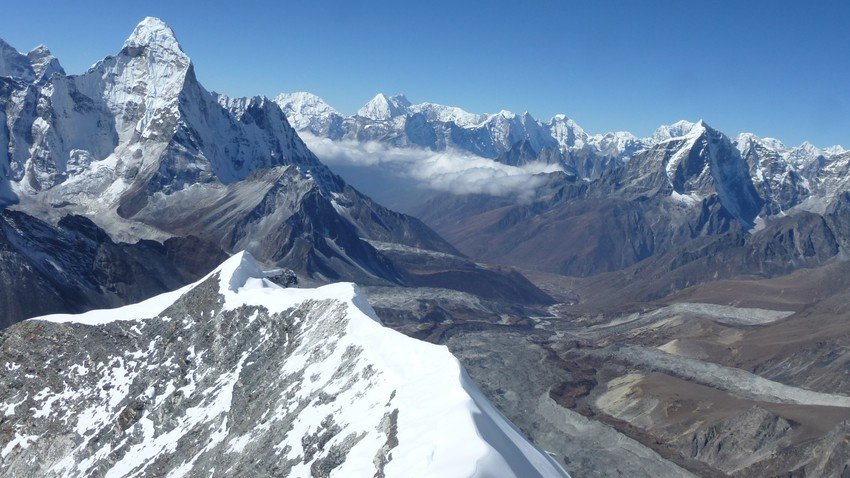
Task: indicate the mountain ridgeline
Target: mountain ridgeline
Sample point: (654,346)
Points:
(616,199)
(257,379)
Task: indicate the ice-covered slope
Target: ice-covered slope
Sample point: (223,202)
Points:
(236,375)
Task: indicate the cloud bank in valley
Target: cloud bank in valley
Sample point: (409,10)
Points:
(447,171)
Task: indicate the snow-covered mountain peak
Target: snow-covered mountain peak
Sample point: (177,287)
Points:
(383,107)
(308,112)
(806,149)
(142,84)
(747,140)
(567,133)
(446,114)
(774,143)
(561,118)
(400,100)
(302,101)
(675,130)
(302,109)
(701,128)
(39,52)
(835,150)
(153,32)
(616,143)
(807,153)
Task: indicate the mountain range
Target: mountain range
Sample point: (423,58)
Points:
(394,120)
(124,184)
(671,305)
(615,199)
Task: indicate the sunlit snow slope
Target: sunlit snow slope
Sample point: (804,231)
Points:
(237,376)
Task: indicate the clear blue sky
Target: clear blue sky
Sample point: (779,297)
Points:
(775,68)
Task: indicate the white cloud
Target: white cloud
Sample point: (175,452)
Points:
(451,171)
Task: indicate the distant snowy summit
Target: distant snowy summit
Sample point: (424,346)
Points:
(396,121)
(234,375)
(694,160)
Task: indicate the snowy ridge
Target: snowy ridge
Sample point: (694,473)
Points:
(305,110)
(752,176)
(235,374)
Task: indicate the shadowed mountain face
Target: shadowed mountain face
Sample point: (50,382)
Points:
(74,266)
